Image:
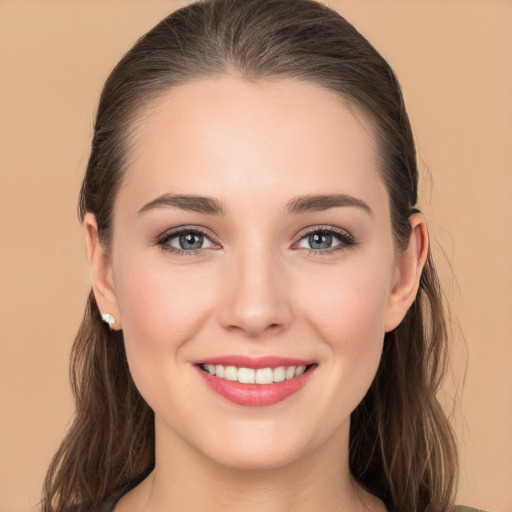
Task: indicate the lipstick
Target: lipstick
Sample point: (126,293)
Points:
(264,380)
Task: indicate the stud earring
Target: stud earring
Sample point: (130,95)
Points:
(108,319)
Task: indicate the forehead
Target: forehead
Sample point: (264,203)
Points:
(235,139)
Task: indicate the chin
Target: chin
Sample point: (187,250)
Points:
(266,445)
(255,455)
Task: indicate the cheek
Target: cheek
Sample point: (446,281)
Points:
(349,303)
(348,312)
(160,311)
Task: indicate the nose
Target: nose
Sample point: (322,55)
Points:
(256,302)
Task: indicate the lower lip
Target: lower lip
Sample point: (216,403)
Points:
(256,395)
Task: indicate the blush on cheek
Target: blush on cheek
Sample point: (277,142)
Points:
(350,304)
(162,300)
(162,308)
(350,315)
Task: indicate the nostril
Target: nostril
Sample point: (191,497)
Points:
(254,314)
(274,327)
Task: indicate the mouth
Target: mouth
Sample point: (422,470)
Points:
(258,376)
(255,382)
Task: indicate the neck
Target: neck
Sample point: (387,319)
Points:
(185,479)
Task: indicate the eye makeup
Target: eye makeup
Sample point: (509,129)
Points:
(189,241)
(192,235)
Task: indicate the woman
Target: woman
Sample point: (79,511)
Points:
(265,329)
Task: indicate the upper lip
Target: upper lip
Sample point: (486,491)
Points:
(243,361)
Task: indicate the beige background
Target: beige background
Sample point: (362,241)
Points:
(454,60)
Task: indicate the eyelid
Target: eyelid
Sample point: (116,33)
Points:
(345,238)
(162,239)
(323,228)
(185,228)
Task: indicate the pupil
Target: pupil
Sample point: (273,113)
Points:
(320,240)
(191,241)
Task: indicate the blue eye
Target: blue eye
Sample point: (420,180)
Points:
(326,240)
(321,240)
(189,241)
(185,241)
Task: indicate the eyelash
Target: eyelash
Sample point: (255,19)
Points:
(164,239)
(345,239)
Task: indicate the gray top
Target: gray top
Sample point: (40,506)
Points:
(109,504)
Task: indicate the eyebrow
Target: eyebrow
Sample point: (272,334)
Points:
(317,203)
(212,206)
(192,203)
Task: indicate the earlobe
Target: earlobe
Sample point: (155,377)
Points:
(100,270)
(409,268)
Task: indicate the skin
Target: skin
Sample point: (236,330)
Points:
(256,287)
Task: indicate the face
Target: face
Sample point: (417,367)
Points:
(252,231)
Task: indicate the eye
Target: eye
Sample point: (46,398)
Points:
(185,241)
(189,241)
(326,240)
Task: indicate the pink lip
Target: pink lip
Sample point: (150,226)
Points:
(241,361)
(256,395)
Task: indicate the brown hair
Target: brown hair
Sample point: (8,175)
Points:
(401,445)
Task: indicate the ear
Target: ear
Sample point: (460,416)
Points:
(100,270)
(409,266)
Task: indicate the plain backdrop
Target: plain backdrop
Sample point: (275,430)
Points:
(454,61)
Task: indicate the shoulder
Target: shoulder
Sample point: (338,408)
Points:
(465,508)
(109,504)
(106,506)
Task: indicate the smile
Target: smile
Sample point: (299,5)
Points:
(254,376)
(255,381)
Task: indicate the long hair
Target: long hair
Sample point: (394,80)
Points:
(402,448)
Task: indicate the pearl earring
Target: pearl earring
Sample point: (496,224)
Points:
(108,319)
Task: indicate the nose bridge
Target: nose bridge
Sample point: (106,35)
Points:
(255,301)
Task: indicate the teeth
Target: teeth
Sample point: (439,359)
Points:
(252,376)
(300,370)
(231,373)
(246,375)
(264,376)
(279,374)
(290,372)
